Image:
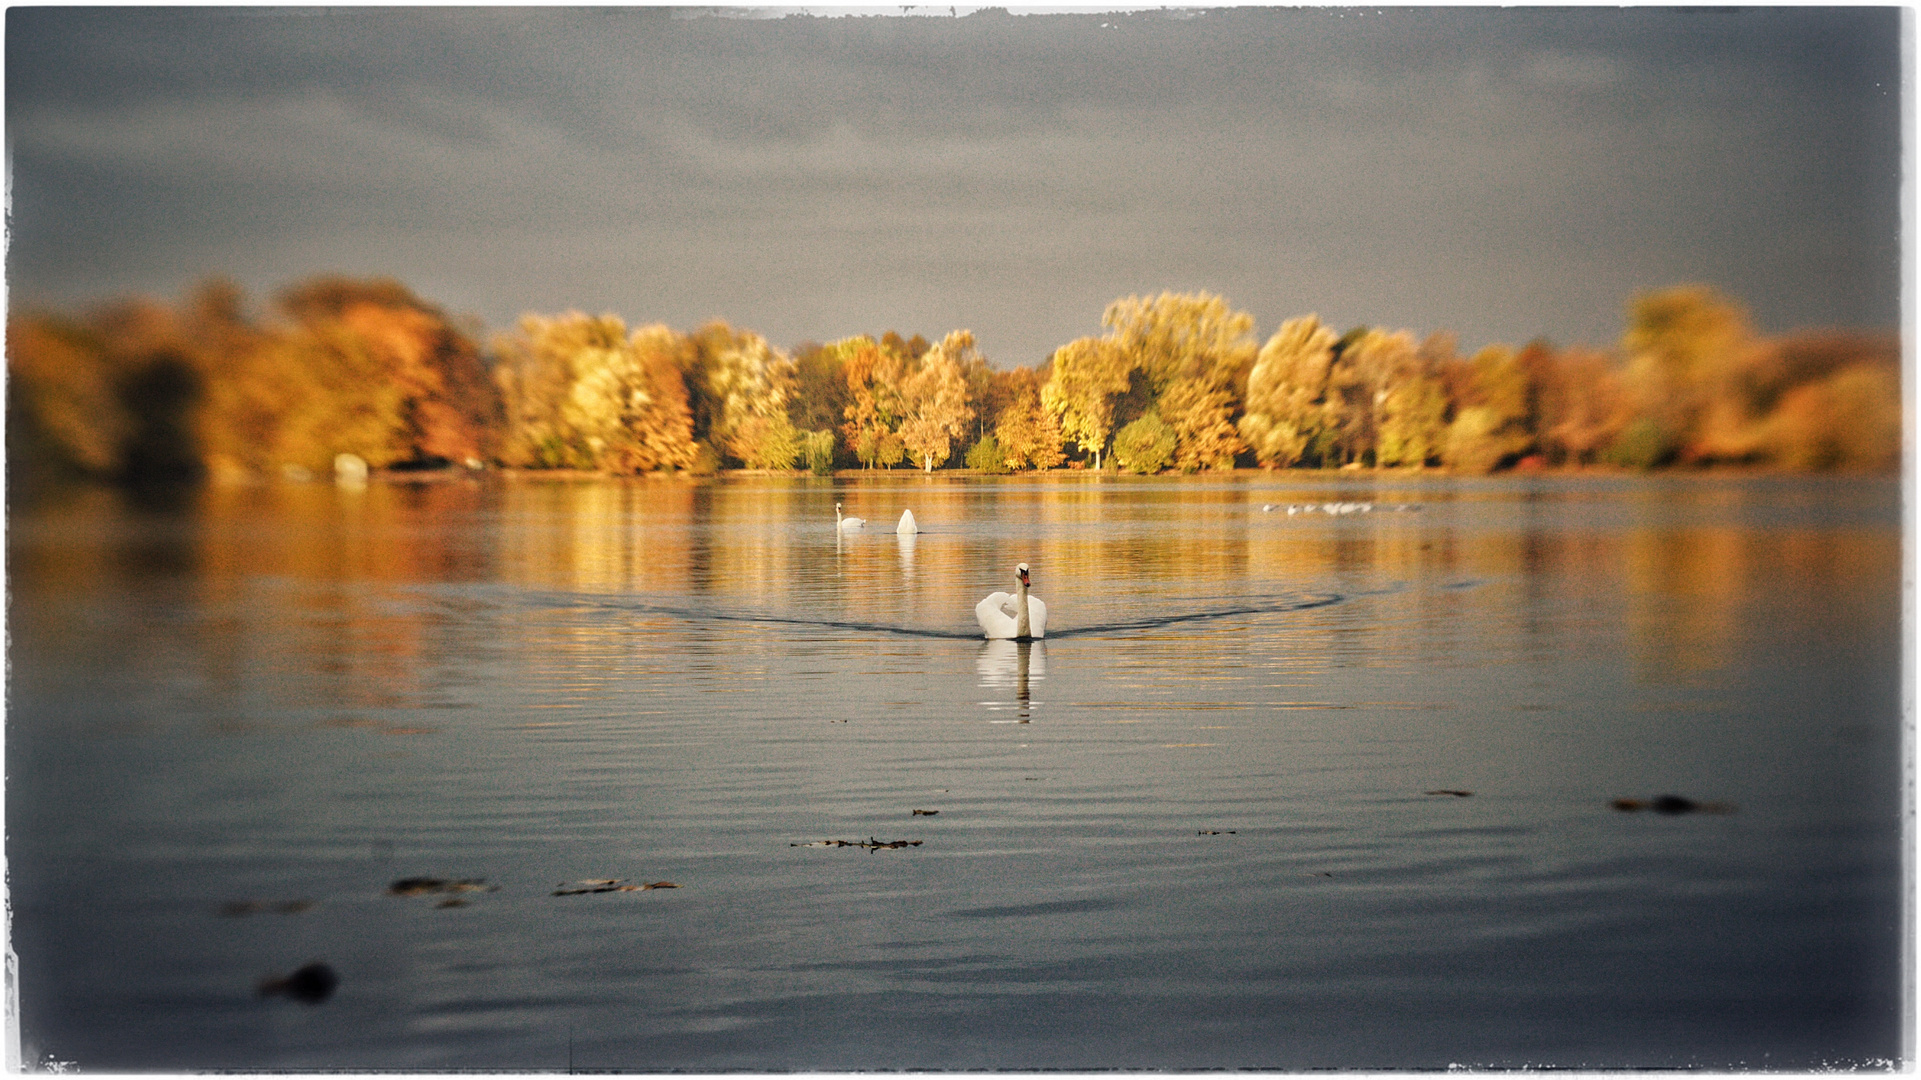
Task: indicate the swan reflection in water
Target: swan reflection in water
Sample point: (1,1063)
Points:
(1004,662)
(907,541)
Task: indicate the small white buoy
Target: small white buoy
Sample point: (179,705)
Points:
(907,526)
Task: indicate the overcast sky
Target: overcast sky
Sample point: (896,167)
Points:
(1504,174)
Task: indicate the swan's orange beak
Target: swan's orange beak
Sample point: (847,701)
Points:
(1024,580)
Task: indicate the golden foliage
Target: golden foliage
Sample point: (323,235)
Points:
(142,391)
(748,383)
(934,399)
(1145,446)
(1027,435)
(1088,372)
(1287,392)
(1850,420)
(874,372)
(582,392)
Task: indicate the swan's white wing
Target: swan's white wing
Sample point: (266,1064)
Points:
(1036,616)
(852,523)
(996,615)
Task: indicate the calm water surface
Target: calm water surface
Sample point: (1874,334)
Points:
(1189,830)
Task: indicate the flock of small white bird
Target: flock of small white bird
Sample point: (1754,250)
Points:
(1334,508)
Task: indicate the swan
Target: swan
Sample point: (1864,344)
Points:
(847,522)
(1016,616)
(907,526)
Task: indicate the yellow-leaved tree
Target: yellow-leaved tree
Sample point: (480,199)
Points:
(874,372)
(1025,434)
(747,384)
(1087,373)
(934,399)
(582,392)
(1286,406)
(1196,351)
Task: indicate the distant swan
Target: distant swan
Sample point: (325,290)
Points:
(847,522)
(1013,616)
(907,526)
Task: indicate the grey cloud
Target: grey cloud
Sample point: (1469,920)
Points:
(1502,173)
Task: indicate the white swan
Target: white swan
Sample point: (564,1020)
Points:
(907,526)
(1015,616)
(846,522)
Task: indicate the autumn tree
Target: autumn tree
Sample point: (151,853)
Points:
(1683,346)
(380,351)
(1195,350)
(1145,445)
(581,392)
(1850,420)
(821,394)
(1370,365)
(1025,433)
(747,384)
(986,456)
(1582,407)
(1087,373)
(934,400)
(1491,423)
(1286,404)
(66,415)
(874,372)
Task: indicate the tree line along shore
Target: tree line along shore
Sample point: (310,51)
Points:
(142,392)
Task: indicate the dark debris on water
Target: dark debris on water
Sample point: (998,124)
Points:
(1671,804)
(601,885)
(427,886)
(310,984)
(870,844)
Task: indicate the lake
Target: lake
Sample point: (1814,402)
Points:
(1328,788)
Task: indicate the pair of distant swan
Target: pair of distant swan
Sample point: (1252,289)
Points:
(907,527)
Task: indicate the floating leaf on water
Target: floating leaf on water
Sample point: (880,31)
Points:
(1451,791)
(423,886)
(1215,832)
(925,813)
(870,843)
(310,984)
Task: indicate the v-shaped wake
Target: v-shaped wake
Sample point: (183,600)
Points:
(1266,605)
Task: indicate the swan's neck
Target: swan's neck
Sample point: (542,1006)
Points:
(1020,610)
(837,518)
